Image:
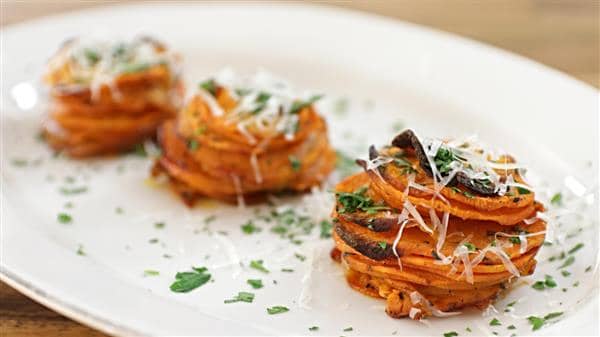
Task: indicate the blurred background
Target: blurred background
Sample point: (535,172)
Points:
(564,35)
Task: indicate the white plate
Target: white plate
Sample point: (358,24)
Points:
(391,71)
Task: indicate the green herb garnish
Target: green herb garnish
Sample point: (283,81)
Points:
(190,280)
(515,240)
(210,85)
(64,218)
(313,328)
(150,272)
(382,245)
(556,199)
(192,144)
(575,248)
(358,201)
(471,247)
(326,227)
(242,296)
(295,163)
(80,251)
(258,265)
(91,55)
(159,225)
(250,228)
(495,322)
(569,261)
(300,257)
(450,334)
(523,190)
(255,283)
(278,309)
(538,322)
(297,106)
(348,329)
(73,190)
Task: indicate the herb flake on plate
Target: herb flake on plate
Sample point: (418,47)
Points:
(278,309)
(190,280)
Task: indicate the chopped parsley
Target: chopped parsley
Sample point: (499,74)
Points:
(80,251)
(19,162)
(450,334)
(575,248)
(565,273)
(91,55)
(150,272)
(382,245)
(200,130)
(300,257)
(153,241)
(289,224)
(192,145)
(569,261)
(159,225)
(295,163)
(139,150)
(119,210)
(556,199)
(313,328)
(357,201)
(190,280)
(471,247)
(255,283)
(258,265)
(469,194)
(73,190)
(538,322)
(242,296)
(548,282)
(589,268)
(443,159)
(278,309)
(261,99)
(495,322)
(64,218)
(511,327)
(297,106)
(515,240)
(348,329)
(250,228)
(326,227)
(523,190)
(209,85)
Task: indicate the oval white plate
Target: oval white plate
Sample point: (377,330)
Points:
(390,72)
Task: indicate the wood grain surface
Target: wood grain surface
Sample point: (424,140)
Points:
(561,34)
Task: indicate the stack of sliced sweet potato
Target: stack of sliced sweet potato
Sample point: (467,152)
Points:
(427,249)
(205,152)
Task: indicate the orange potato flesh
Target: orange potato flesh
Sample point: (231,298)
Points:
(225,164)
(374,268)
(119,118)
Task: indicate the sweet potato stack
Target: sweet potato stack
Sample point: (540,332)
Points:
(107,97)
(237,142)
(433,226)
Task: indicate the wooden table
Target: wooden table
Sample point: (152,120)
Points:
(562,34)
